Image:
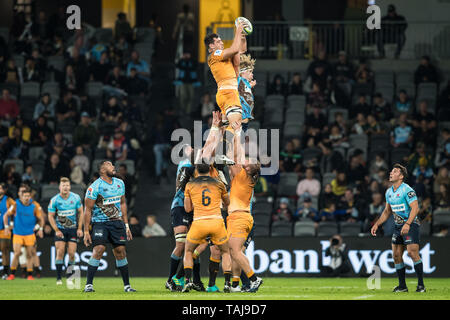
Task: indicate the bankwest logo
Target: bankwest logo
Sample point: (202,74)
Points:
(307,261)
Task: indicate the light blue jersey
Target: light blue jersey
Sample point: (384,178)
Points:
(400,201)
(65,210)
(178,199)
(107,199)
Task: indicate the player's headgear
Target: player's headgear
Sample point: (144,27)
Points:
(246,63)
(403,170)
(209,39)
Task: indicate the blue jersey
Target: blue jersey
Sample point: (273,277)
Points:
(65,210)
(107,199)
(246,98)
(178,199)
(25,217)
(400,201)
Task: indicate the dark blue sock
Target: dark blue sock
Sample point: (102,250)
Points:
(59,266)
(174,262)
(92,269)
(122,265)
(401,272)
(244,279)
(418,267)
(196,270)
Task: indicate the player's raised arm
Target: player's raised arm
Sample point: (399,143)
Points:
(236,45)
(384,216)
(88,206)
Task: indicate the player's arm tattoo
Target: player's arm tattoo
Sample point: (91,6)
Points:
(124,208)
(88,206)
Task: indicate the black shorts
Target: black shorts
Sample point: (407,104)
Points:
(69,235)
(112,232)
(413,235)
(250,237)
(179,217)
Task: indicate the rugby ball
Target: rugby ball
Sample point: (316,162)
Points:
(248,28)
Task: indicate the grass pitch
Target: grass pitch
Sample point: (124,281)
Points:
(272,289)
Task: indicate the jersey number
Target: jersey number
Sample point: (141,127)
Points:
(206,201)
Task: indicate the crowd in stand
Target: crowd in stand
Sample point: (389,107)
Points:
(53,123)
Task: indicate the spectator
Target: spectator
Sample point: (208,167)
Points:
(402,135)
(40,27)
(336,138)
(343,73)
(341,123)
(187,76)
(40,133)
(423,169)
(11,177)
(443,151)
(361,126)
(97,50)
(29,176)
(426,72)
(377,164)
(135,227)
(25,131)
(9,109)
(206,106)
(278,86)
(66,109)
(289,160)
(308,187)
(116,80)
(283,212)
(16,147)
(122,27)
(185,27)
(30,72)
(118,147)
(327,196)
(135,85)
(425,134)
(374,126)
(140,65)
(262,188)
(381,108)
(87,106)
(13,73)
(403,103)
(99,69)
(121,50)
(81,160)
(413,159)
(54,170)
(40,63)
(45,107)
(316,99)
(350,208)
(357,168)
(339,184)
(132,112)
(363,75)
(424,115)
(360,107)
(374,211)
(296,85)
(111,112)
(321,75)
(160,137)
(327,212)
(441,178)
(443,197)
(129,181)
(307,211)
(315,121)
(443,102)
(392,30)
(322,62)
(152,228)
(339,264)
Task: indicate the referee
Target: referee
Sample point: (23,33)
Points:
(401,201)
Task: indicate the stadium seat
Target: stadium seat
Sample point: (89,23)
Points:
(12,87)
(281,229)
(254,124)
(384,77)
(387,91)
(261,230)
(130,166)
(37,153)
(48,191)
(327,178)
(273,119)
(428,89)
(288,184)
(19,60)
(78,189)
(360,141)
(379,142)
(398,155)
(104,35)
(296,101)
(145,34)
(27,105)
(52,88)
(38,166)
(262,208)
(333,111)
(295,116)
(56,62)
(292,130)
(441,218)
(259,218)
(30,89)
(311,153)
(349,229)
(404,78)
(327,229)
(304,229)
(94,89)
(18,163)
(274,102)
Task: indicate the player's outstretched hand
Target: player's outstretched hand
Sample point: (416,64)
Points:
(216,119)
(79,233)
(87,239)
(405,229)
(129,235)
(374,229)
(240,28)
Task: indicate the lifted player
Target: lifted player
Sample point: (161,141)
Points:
(68,229)
(245,86)
(26,213)
(5,240)
(105,202)
(401,201)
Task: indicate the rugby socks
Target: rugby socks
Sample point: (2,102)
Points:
(174,262)
(251,276)
(5,270)
(235,282)
(196,269)
(180,273)
(59,267)
(122,265)
(92,269)
(418,267)
(244,279)
(29,272)
(401,271)
(227,275)
(188,273)
(213,270)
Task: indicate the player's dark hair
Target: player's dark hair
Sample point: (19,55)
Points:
(403,170)
(210,39)
(202,168)
(100,165)
(4,186)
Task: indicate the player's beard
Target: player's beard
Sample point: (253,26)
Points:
(111,174)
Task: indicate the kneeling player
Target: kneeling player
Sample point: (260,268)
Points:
(68,228)
(204,196)
(105,202)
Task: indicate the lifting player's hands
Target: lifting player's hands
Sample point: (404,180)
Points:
(79,233)
(374,229)
(217,119)
(87,239)
(252,83)
(240,29)
(129,235)
(405,229)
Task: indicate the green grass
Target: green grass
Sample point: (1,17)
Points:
(272,289)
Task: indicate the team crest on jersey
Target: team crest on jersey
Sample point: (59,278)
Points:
(118,186)
(217,52)
(411,194)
